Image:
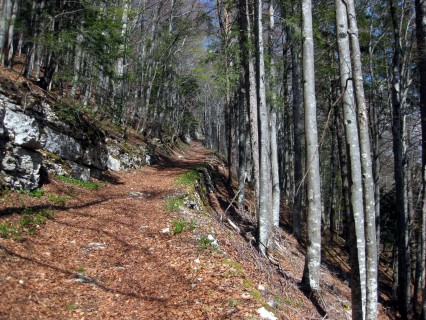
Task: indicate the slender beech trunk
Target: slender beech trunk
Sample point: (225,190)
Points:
(224,23)
(343,161)
(276,199)
(77,64)
(242,161)
(400,187)
(421,47)
(265,220)
(375,142)
(251,93)
(366,166)
(311,273)
(332,180)
(298,133)
(9,47)
(358,269)
(5,15)
(276,192)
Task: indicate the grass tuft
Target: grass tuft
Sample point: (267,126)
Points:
(85,184)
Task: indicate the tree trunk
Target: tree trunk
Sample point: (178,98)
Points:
(366,167)
(344,172)
(276,192)
(251,94)
(297,125)
(421,47)
(5,15)
(46,81)
(10,48)
(242,163)
(276,201)
(311,273)
(77,64)
(400,187)
(265,220)
(358,269)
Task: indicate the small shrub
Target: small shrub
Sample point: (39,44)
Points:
(192,224)
(178,226)
(205,243)
(81,270)
(85,184)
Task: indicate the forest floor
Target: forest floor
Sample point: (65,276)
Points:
(128,250)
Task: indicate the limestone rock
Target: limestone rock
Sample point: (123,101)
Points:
(79,171)
(63,145)
(22,130)
(33,140)
(22,167)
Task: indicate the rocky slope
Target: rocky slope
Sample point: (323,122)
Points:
(35,142)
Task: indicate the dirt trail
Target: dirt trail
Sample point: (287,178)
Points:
(104,256)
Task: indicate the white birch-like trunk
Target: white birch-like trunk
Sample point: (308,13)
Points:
(265,211)
(367,168)
(11,32)
(252,102)
(421,47)
(276,192)
(311,273)
(77,63)
(242,159)
(358,263)
(5,16)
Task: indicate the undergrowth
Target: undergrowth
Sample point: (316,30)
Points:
(85,184)
(188,178)
(59,200)
(173,204)
(37,193)
(181,225)
(29,223)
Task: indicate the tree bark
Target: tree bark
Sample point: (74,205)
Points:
(276,192)
(358,263)
(242,160)
(420,6)
(9,45)
(264,218)
(366,167)
(298,133)
(400,187)
(311,273)
(5,15)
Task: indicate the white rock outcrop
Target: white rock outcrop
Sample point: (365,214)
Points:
(34,142)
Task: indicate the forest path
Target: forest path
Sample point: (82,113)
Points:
(105,255)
